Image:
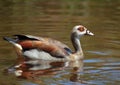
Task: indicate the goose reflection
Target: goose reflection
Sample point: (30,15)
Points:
(34,69)
(77,68)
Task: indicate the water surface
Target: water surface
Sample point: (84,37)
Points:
(55,19)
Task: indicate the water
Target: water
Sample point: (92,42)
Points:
(55,19)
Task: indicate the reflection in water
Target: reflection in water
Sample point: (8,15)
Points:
(75,77)
(34,69)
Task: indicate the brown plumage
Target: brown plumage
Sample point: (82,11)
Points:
(54,47)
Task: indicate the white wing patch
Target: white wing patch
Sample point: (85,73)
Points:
(39,54)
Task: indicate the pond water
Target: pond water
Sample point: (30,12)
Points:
(51,18)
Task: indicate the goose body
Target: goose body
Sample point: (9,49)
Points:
(33,47)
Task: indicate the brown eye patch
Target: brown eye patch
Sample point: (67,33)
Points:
(81,29)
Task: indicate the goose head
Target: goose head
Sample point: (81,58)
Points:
(80,30)
(77,32)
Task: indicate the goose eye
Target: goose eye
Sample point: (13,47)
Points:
(81,29)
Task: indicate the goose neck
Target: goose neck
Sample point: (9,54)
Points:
(76,43)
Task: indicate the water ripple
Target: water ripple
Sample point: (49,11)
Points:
(100,52)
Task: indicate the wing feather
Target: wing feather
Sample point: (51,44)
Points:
(53,47)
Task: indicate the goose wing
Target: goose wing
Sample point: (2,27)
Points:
(51,46)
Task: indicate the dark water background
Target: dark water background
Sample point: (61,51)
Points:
(55,18)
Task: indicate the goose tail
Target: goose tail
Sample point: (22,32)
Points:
(13,42)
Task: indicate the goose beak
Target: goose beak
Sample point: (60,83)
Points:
(89,33)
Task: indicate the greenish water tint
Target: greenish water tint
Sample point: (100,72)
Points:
(55,19)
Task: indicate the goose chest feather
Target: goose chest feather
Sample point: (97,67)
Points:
(34,47)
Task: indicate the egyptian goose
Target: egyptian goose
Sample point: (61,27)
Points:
(33,47)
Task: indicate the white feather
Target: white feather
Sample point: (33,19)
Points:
(38,54)
(16,45)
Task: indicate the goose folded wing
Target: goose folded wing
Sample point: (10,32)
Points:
(52,49)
